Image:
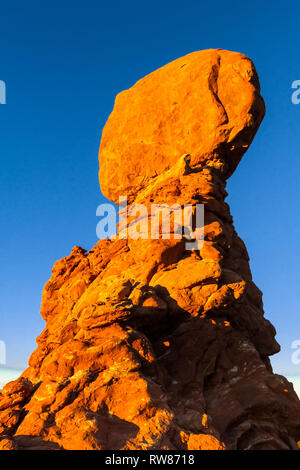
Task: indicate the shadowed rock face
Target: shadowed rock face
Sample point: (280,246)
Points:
(148,345)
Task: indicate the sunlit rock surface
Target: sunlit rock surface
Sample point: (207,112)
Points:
(148,345)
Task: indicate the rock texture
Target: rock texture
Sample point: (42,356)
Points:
(206,104)
(148,345)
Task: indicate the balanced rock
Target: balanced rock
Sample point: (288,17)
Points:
(206,103)
(148,344)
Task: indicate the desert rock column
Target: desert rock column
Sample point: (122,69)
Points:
(148,345)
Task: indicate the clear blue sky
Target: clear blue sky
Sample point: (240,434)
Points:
(63,63)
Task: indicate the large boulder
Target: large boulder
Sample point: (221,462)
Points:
(206,104)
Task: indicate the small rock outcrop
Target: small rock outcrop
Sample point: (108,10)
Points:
(149,345)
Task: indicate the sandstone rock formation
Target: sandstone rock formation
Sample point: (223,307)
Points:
(148,345)
(206,104)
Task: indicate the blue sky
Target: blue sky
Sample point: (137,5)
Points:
(63,63)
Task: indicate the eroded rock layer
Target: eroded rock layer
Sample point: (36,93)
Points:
(148,345)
